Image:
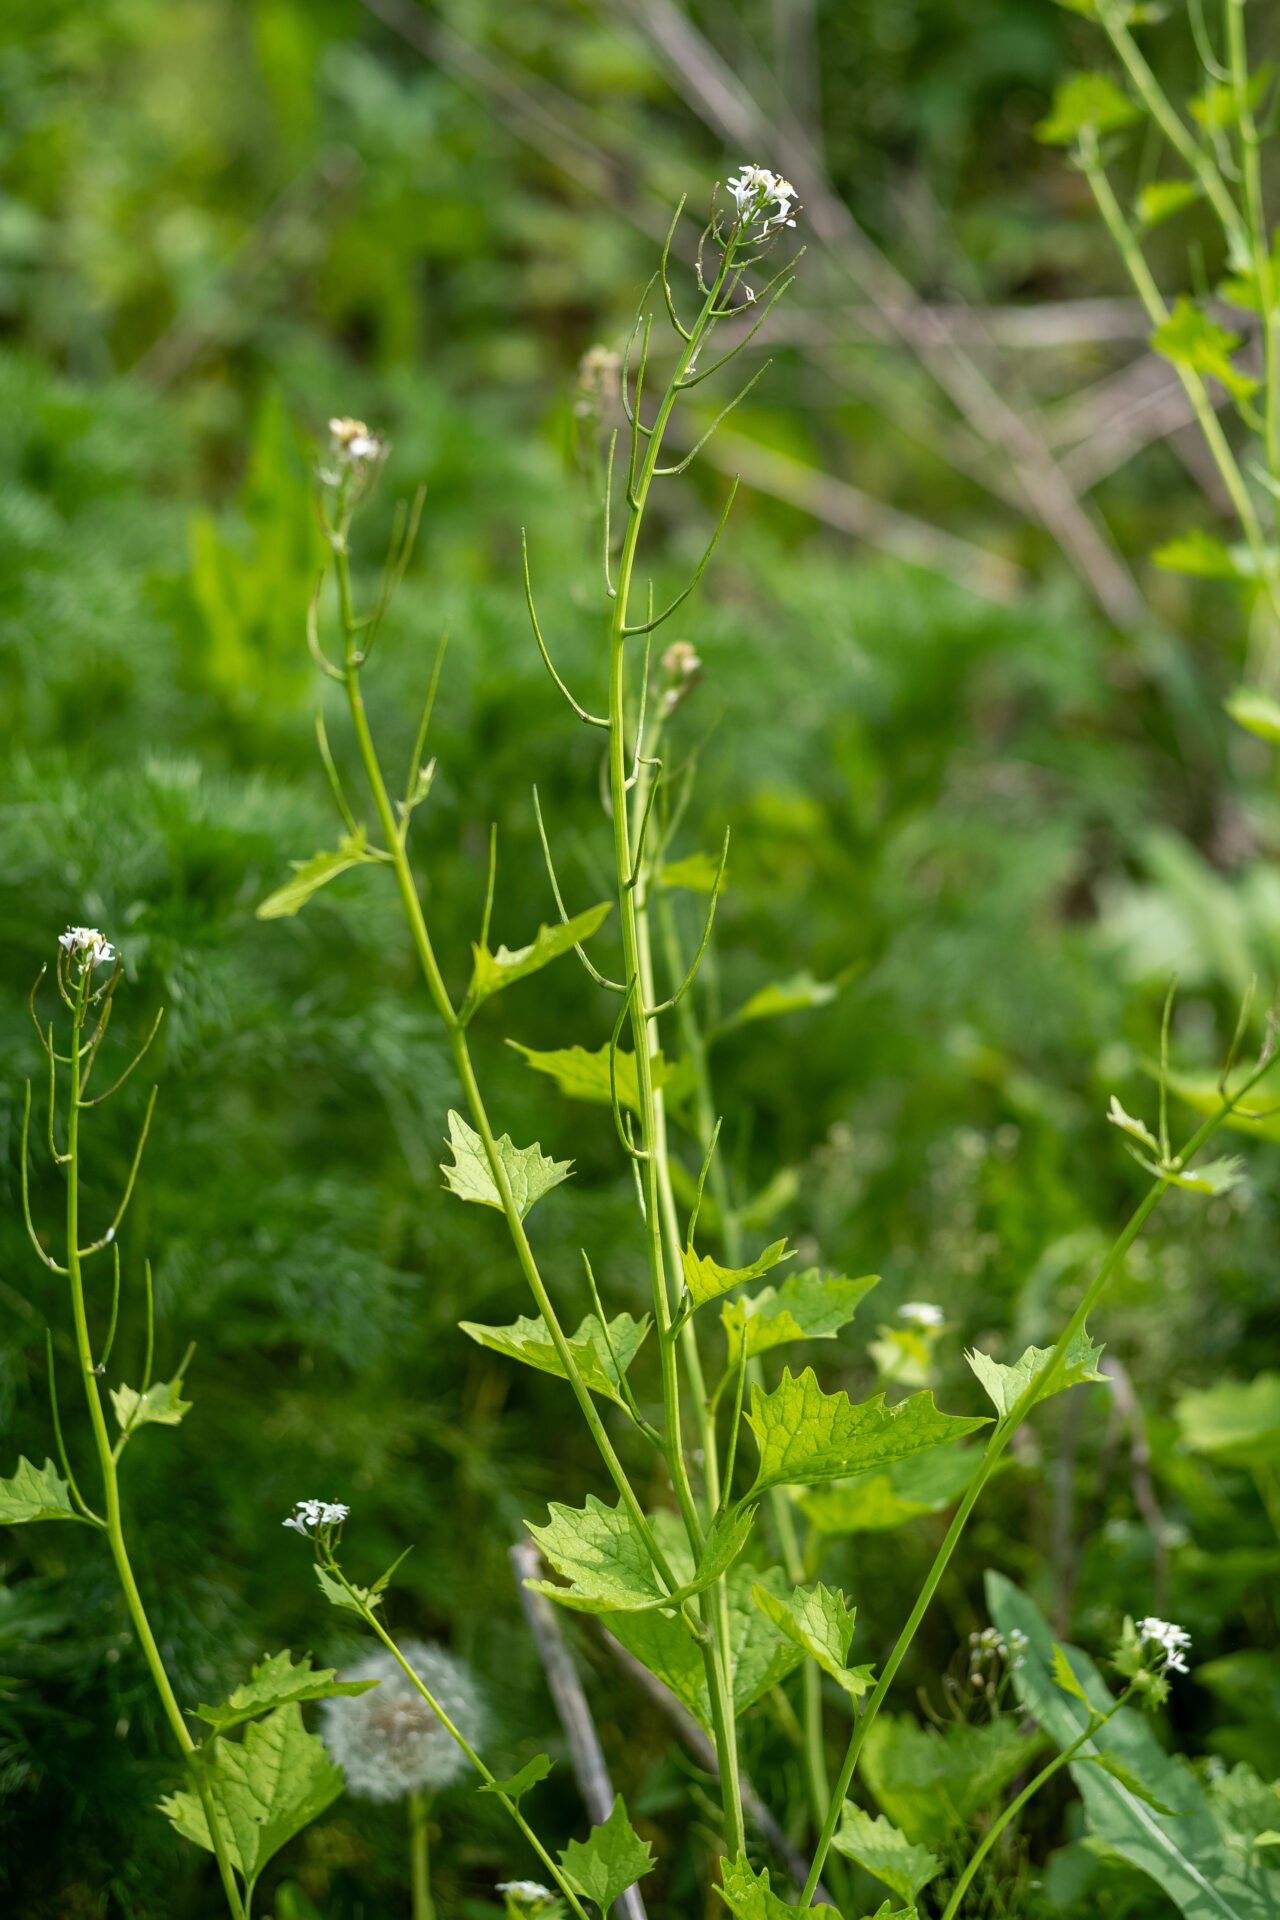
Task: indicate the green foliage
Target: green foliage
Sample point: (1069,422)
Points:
(310,875)
(1235,1421)
(1256,711)
(1189,338)
(529,1172)
(706,1279)
(806,1436)
(781,996)
(1086,102)
(929,1782)
(275,1682)
(807,1306)
(585,1076)
(884,1498)
(748,1895)
(35,1493)
(1184,1851)
(603,1354)
(161,1405)
(265,1788)
(530,1775)
(604,1555)
(493,972)
(1006,1386)
(611,1859)
(821,1623)
(877,1845)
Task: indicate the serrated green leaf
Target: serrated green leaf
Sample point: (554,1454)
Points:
(807,1306)
(1199,554)
(265,1789)
(1256,711)
(602,1358)
(1189,338)
(274,1682)
(529,1172)
(611,1859)
(337,1596)
(35,1493)
(706,1279)
(601,1551)
(1185,1854)
(820,1623)
(1129,1780)
(585,1076)
(1214,1176)
(697,872)
(799,990)
(1064,1677)
(1085,101)
(1236,1421)
(806,1436)
(1161,199)
(161,1405)
(885,1851)
(310,875)
(748,1895)
(493,972)
(520,1783)
(902,1491)
(1005,1386)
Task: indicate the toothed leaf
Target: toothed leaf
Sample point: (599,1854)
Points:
(265,1788)
(806,1436)
(35,1493)
(707,1280)
(492,972)
(807,1306)
(611,1859)
(885,1851)
(529,1172)
(1005,1386)
(274,1682)
(310,875)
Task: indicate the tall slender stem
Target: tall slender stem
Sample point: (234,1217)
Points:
(1260,239)
(420,1856)
(110,1478)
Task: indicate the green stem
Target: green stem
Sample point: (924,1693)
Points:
(456,1035)
(371,1620)
(1013,1809)
(659,1202)
(1261,240)
(1038,1389)
(111,1485)
(420,1856)
(1193,386)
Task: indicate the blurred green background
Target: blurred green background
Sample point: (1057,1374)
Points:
(968,739)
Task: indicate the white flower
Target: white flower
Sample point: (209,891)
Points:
(763,196)
(388,1741)
(307,1515)
(351,441)
(1173,1641)
(921,1313)
(528,1890)
(86,945)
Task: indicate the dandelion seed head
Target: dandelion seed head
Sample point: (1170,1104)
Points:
(388,1741)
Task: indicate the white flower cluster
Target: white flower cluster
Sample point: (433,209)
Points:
(86,945)
(351,440)
(388,1741)
(526,1893)
(763,196)
(683,668)
(921,1314)
(307,1515)
(1172,1641)
(992,1644)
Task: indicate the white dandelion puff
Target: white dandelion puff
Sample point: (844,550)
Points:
(388,1741)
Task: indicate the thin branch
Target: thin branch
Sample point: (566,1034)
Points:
(322,741)
(611,986)
(46,1045)
(609,587)
(706,373)
(493,875)
(672,315)
(151,1328)
(316,651)
(632,1406)
(702,1181)
(115,1311)
(140,1055)
(637,425)
(26,1195)
(668,473)
(591,719)
(76,1494)
(637,1153)
(420,740)
(634,876)
(656,620)
(676,998)
(96,1246)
